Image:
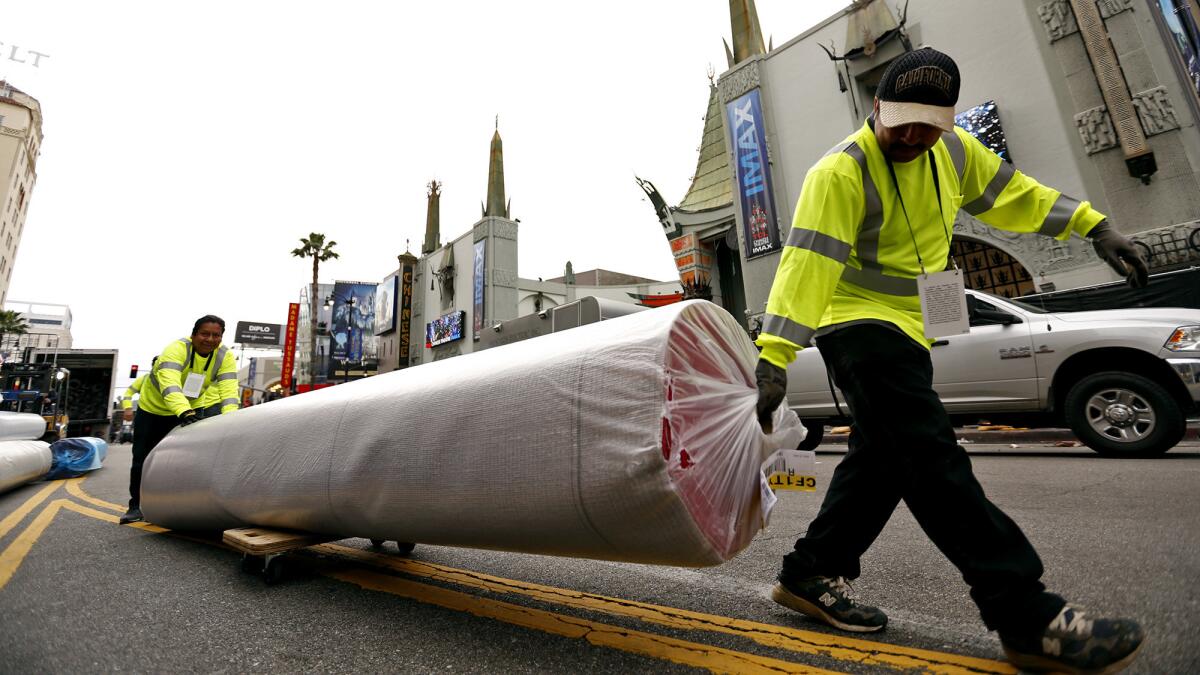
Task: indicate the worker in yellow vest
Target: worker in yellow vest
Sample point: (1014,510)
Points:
(134,388)
(185,370)
(867,273)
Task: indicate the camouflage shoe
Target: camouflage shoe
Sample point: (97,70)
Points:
(831,600)
(1076,644)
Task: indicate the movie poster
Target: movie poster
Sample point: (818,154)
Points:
(352,330)
(480,282)
(752,174)
(983,121)
(385,305)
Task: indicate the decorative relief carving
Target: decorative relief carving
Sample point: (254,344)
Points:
(1155,111)
(1171,245)
(505,229)
(740,81)
(1111,7)
(446,351)
(1059,20)
(1096,130)
(1040,255)
(505,278)
(9,131)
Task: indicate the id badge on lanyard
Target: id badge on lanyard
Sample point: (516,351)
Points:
(943,303)
(194,385)
(943,294)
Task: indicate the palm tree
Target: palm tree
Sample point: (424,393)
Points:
(319,250)
(12,323)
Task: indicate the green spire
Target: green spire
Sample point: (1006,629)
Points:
(433,219)
(496,205)
(747,34)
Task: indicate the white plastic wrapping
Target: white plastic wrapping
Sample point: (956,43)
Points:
(21,426)
(632,439)
(22,462)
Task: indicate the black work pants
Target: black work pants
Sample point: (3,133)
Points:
(902,446)
(148,430)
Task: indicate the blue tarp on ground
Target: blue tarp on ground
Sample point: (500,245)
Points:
(73,457)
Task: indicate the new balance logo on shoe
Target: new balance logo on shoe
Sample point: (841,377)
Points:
(1073,643)
(1074,623)
(831,600)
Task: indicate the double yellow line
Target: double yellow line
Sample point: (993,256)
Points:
(383,578)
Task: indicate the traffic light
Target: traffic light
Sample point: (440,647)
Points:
(133,371)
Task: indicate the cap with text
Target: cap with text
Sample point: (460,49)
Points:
(919,87)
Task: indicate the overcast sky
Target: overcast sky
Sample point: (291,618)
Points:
(189,146)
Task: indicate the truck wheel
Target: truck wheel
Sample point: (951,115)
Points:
(1124,415)
(816,429)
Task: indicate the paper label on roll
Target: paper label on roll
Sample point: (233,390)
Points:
(791,470)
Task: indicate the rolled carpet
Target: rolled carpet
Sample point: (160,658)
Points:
(21,426)
(22,462)
(632,439)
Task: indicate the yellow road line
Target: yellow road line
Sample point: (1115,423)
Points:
(771,635)
(700,655)
(10,521)
(75,488)
(11,557)
(695,654)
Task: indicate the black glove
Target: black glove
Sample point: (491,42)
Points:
(1119,252)
(772,385)
(189,417)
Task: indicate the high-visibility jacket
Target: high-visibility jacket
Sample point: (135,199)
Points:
(850,256)
(163,392)
(136,387)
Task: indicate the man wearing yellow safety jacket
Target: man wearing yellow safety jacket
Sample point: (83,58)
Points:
(134,388)
(187,369)
(866,272)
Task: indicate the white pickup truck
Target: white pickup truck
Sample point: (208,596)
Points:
(1124,380)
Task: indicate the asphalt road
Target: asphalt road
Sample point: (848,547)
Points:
(78,593)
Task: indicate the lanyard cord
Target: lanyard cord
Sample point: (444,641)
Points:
(191,359)
(937,188)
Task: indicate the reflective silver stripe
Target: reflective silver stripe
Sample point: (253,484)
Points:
(220,357)
(995,186)
(171,390)
(225,376)
(819,242)
(787,329)
(867,246)
(229,401)
(1059,217)
(957,153)
(873,280)
(167,365)
(840,147)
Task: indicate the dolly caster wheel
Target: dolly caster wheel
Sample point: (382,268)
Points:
(272,571)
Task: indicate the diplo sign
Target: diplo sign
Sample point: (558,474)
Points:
(250,333)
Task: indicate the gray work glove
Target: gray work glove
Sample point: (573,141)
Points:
(772,385)
(1119,252)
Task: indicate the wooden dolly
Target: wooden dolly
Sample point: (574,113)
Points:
(261,547)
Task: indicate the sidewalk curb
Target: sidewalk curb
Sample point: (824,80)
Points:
(1009,436)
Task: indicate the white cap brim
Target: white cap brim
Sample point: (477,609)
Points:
(898,113)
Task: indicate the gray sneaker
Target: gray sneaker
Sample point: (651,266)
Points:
(831,600)
(133,515)
(1076,644)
